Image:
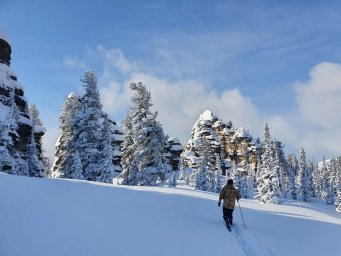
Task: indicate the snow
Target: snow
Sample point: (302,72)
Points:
(207,115)
(242,133)
(39,129)
(177,147)
(4,37)
(25,120)
(3,111)
(5,73)
(175,140)
(62,217)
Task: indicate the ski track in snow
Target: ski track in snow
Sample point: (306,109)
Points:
(249,243)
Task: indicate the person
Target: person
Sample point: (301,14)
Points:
(229,194)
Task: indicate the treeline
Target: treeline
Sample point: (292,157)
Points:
(92,147)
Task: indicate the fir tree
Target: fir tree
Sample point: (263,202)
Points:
(339,201)
(76,167)
(201,178)
(303,179)
(316,179)
(333,177)
(65,147)
(292,172)
(143,153)
(9,160)
(105,168)
(281,166)
(268,186)
(327,191)
(35,115)
(218,175)
(88,129)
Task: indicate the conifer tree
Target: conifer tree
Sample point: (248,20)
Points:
(8,131)
(76,167)
(35,115)
(339,201)
(303,178)
(292,173)
(201,177)
(327,191)
(333,177)
(218,175)
(268,186)
(143,153)
(65,146)
(105,167)
(88,129)
(84,148)
(316,179)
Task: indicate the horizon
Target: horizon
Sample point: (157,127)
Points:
(251,63)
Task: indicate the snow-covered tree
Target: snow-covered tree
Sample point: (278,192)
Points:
(35,166)
(86,137)
(89,140)
(303,179)
(292,173)
(105,167)
(35,115)
(172,180)
(218,175)
(143,153)
(9,135)
(201,178)
(333,179)
(327,191)
(316,178)
(76,167)
(65,146)
(339,201)
(281,166)
(268,187)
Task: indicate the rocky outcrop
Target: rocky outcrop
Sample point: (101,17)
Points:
(232,145)
(5,51)
(116,143)
(174,150)
(20,143)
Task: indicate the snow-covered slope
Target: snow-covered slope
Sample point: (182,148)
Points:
(60,217)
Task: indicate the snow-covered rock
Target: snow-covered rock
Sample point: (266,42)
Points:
(21,139)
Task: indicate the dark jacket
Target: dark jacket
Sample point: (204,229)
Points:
(229,194)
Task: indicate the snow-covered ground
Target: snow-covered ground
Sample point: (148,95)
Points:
(61,217)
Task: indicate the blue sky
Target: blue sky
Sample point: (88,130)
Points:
(247,61)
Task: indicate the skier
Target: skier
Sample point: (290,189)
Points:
(229,194)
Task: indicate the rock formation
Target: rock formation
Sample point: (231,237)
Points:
(174,150)
(20,142)
(232,145)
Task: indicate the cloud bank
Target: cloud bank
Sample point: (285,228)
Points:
(313,122)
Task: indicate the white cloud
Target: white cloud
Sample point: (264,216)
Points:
(179,103)
(314,122)
(318,99)
(115,58)
(73,62)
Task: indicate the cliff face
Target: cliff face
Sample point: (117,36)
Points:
(20,142)
(230,144)
(5,51)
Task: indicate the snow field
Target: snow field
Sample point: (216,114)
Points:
(63,217)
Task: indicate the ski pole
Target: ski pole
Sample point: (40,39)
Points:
(241,214)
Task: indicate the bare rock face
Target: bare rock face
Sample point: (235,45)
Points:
(5,52)
(20,141)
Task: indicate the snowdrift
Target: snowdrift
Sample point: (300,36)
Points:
(63,217)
